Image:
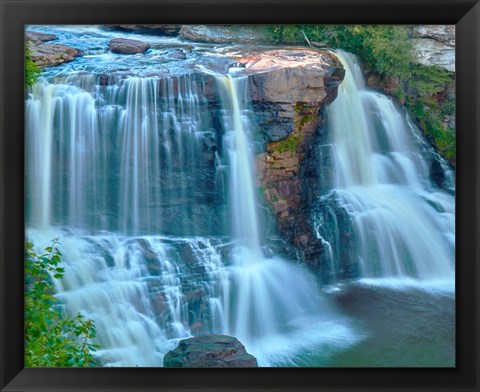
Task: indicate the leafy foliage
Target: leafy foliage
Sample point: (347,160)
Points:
(52,338)
(32,70)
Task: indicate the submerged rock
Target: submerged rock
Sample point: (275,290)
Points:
(209,351)
(128,46)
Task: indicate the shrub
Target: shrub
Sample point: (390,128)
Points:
(383,47)
(32,70)
(52,338)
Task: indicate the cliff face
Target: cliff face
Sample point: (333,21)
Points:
(290,90)
(435,45)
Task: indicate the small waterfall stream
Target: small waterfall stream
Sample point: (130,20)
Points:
(398,223)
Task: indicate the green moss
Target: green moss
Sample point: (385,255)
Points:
(305,114)
(290,143)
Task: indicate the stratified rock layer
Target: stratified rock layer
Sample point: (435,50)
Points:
(209,351)
(435,45)
(290,90)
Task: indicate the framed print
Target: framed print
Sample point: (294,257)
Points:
(290,189)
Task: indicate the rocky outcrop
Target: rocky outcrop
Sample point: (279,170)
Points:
(209,351)
(224,34)
(39,38)
(435,45)
(285,82)
(47,54)
(153,29)
(127,46)
(290,89)
(52,54)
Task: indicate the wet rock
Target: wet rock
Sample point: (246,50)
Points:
(216,351)
(128,46)
(186,253)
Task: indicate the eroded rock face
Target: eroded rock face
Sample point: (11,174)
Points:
(281,80)
(435,45)
(209,351)
(128,46)
(290,90)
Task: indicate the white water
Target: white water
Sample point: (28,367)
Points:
(95,154)
(266,320)
(402,225)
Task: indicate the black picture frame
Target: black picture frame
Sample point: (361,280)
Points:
(465,14)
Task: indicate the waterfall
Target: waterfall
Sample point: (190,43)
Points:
(114,157)
(383,217)
(260,313)
(125,176)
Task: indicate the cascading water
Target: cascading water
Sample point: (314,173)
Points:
(119,173)
(383,218)
(261,315)
(103,162)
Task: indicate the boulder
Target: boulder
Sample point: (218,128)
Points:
(127,46)
(206,351)
(51,54)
